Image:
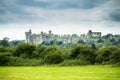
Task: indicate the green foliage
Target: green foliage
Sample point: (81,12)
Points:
(45,43)
(81,42)
(93,46)
(6,49)
(83,53)
(10,49)
(53,58)
(4,58)
(16,42)
(60,43)
(2,49)
(75,51)
(51,55)
(19,61)
(34,54)
(40,48)
(4,42)
(107,36)
(28,54)
(109,55)
(48,50)
(100,41)
(24,50)
(66,54)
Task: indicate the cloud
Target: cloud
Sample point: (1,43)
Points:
(58,15)
(59,11)
(62,4)
(24,11)
(111,11)
(115,15)
(10,11)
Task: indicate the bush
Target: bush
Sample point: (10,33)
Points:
(48,50)
(2,49)
(108,55)
(83,53)
(66,54)
(40,48)
(24,50)
(5,59)
(27,54)
(75,51)
(18,61)
(35,54)
(53,58)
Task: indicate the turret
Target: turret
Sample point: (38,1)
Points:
(30,31)
(50,32)
(90,31)
(41,32)
(28,38)
(89,34)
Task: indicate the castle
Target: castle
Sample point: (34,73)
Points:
(39,38)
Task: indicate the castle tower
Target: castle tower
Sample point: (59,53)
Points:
(50,32)
(89,34)
(28,37)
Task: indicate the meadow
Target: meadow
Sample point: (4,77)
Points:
(59,73)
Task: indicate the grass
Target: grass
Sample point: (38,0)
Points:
(60,73)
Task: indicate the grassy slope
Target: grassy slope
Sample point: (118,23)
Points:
(60,73)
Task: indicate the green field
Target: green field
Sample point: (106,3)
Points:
(60,73)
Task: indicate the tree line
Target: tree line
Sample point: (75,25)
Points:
(36,55)
(106,40)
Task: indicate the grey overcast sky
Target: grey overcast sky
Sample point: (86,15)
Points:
(60,16)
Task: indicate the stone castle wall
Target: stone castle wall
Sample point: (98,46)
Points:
(39,38)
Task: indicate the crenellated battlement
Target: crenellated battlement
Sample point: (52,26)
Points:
(43,36)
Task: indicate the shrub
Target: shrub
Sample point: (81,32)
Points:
(108,55)
(47,51)
(19,61)
(4,59)
(35,54)
(66,54)
(53,58)
(24,50)
(40,48)
(75,51)
(2,49)
(83,53)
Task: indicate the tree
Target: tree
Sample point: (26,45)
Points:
(84,53)
(81,41)
(51,42)
(48,50)
(4,42)
(108,55)
(53,58)
(93,46)
(40,48)
(2,49)
(51,55)
(16,42)
(100,40)
(4,59)
(24,50)
(108,36)
(60,43)
(75,51)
